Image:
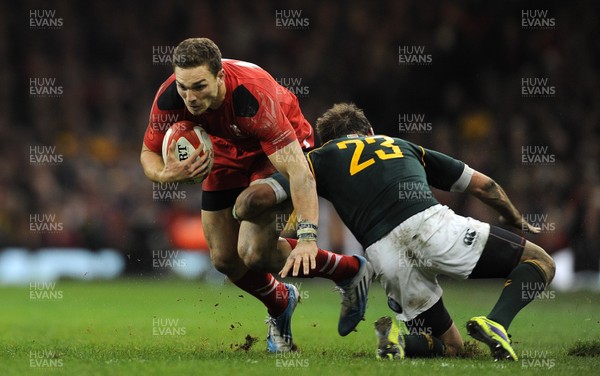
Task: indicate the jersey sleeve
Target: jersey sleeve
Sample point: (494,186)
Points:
(259,113)
(309,159)
(444,172)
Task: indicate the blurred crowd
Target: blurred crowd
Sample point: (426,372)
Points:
(72,152)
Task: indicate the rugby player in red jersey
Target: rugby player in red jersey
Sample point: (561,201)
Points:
(258,134)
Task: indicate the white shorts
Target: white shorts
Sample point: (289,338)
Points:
(409,258)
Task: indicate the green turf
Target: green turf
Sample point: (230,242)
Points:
(173,327)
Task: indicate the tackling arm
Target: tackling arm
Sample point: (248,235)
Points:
(492,194)
(291,162)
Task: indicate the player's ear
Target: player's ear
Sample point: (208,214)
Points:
(371,132)
(220,76)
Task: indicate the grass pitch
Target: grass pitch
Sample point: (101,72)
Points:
(175,327)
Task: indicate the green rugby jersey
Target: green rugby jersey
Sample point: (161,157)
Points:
(376,182)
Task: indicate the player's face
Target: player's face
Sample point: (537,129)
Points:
(199,88)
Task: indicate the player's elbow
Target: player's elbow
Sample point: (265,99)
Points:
(151,164)
(147,170)
(481,185)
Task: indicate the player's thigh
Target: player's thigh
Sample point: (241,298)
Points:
(220,228)
(435,321)
(502,253)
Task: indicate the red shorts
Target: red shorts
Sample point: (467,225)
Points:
(234,167)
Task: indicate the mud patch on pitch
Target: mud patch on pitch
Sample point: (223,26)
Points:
(249,342)
(471,349)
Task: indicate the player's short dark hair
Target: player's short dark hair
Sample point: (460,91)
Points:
(340,120)
(195,52)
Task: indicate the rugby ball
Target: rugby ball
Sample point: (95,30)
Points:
(188,137)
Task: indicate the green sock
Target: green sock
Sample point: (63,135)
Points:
(523,284)
(422,346)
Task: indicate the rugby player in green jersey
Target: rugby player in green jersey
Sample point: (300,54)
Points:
(380,186)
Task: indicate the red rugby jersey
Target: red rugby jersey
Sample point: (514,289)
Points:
(256,114)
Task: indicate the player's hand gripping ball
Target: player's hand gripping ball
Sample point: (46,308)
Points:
(188,137)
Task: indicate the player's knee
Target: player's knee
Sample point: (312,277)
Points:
(251,256)
(224,263)
(550,268)
(538,255)
(254,200)
(453,348)
(452,340)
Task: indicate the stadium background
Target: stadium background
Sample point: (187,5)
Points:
(108,59)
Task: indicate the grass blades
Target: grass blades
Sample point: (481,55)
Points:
(177,327)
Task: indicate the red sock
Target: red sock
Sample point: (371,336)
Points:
(264,287)
(331,265)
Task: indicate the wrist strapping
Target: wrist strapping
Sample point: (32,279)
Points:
(306,231)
